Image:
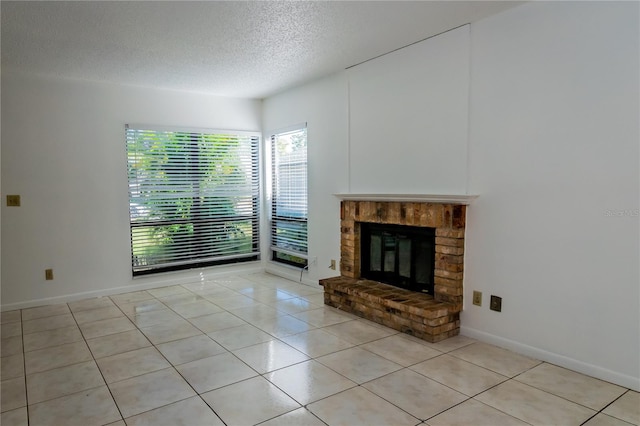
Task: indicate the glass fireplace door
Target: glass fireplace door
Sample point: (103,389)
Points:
(399,255)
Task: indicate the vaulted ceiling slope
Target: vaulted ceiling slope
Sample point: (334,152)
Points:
(249,49)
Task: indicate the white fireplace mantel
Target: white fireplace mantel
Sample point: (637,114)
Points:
(413,198)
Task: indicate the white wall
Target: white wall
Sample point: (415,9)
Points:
(408,118)
(553,152)
(323,106)
(63,151)
(358,120)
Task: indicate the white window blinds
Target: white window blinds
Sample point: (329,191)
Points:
(289,197)
(193,198)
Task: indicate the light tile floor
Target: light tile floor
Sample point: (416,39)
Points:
(258,349)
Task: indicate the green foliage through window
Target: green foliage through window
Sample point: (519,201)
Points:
(289,197)
(193,198)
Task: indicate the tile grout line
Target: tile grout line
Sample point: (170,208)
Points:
(174,367)
(163,356)
(95,361)
(315,359)
(608,405)
(24,366)
(262,375)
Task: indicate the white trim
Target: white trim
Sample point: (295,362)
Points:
(289,252)
(349,132)
(185,129)
(467,183)
(287,129)
(290,272)
(422,198)
(554,358)
(153,281)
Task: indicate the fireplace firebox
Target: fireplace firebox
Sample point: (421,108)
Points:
(402,256)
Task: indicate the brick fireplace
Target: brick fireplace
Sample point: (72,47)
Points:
(430,317)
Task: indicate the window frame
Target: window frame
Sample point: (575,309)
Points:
(279,254)
(251,162)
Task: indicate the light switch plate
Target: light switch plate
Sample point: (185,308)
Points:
(13,200)
(477,298)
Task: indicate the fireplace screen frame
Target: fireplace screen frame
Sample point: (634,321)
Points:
(399,247)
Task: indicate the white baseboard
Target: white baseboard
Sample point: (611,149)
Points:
(553,358)
(144,283)
(290,272)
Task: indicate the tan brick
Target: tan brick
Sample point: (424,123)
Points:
(447,291)
(375,293)
(417,215)
(368,212)
(378,213)
(347,246)
(450,233)
(347,211)
(419,327)
(347,229)
(420,309)
(459,216)
(434,313)
(347,242)
(446,274)
(447,327)
(407,214)
(354,208)
(454,301)
(447,281)
(347,271)
(391,213)
(421,214)
(399,322)
(440,321)
(450,258)
(431,215)
(435,322)
(451,267)
(447,215)
(355,211)
(450,242)
(449,250)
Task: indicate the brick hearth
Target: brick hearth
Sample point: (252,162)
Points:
(432,318)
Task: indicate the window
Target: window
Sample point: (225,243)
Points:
(193,198)
(289,197)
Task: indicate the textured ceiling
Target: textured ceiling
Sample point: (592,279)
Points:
(241,48)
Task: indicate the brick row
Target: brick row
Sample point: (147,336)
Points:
(410,312)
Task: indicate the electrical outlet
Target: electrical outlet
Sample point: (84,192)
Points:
(333,264)
(496,303)
(477,298)
(13,200)
(48,274)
